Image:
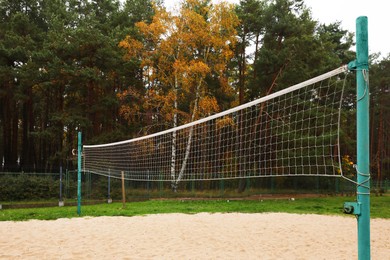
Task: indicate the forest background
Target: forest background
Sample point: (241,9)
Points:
(116,70)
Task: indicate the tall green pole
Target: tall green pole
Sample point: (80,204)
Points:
(363,155)
(362,207)
(79,174)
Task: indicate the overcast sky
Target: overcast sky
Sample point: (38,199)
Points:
(346,11)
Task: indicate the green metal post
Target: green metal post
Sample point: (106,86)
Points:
(363,155)
(362,207)
(79,174)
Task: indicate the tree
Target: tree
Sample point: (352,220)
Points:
(21,36)
(380,120)
(288,46)
(336,45)
(250,31)
(60,71)
(178,55)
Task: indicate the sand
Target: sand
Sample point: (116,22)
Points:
(199,236)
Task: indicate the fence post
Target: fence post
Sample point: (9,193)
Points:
(109,199)
(79,174)
(61,202)
(123,190)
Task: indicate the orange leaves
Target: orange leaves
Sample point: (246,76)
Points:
(193,74)
(133,47)
(161,22)
(208,106)
(179,51)
(225,122)
(129,109)
(348,166)
(194,24)
(198,67)
(155,31)
(167,110)
(225,21)
(197,41)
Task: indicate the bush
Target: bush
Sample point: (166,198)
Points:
(16,187)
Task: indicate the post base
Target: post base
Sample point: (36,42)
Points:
(352,208)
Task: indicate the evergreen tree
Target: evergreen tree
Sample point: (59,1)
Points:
(60,71)
(380,121)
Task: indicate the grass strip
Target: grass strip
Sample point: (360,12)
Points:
(380,208)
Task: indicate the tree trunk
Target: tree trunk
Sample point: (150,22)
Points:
(10,132)
(241,147)
(239,138)
(14,139)
(242,71)
(379,151)
(372,131)
(27,153)
(190,135)
(173,154)
(256,56)
(24,160)
(1,133)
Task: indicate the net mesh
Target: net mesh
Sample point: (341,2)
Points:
(293,132)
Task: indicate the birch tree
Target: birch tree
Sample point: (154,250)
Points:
(178,52)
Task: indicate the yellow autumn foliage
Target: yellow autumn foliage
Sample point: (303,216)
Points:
(208,105)
(180,50)
(224,122)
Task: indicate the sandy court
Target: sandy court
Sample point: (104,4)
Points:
(199,236)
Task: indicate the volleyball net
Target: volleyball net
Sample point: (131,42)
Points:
(293,132)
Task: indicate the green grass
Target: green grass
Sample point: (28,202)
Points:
(380,208)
